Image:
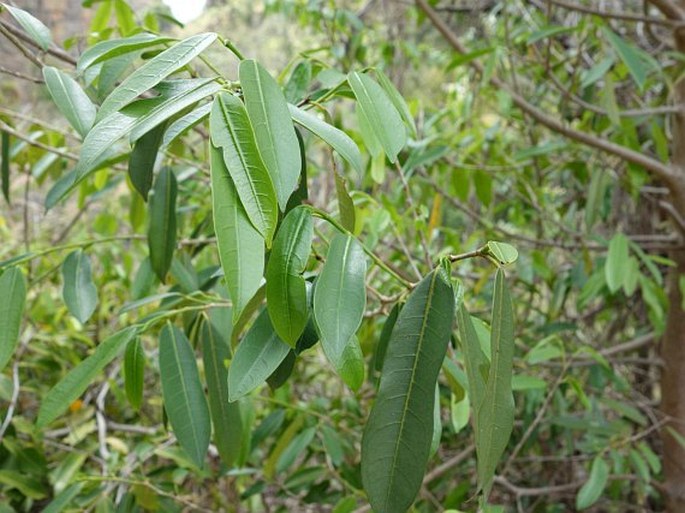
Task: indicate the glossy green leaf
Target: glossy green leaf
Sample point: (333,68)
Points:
(161,235)
(496,412)
(154,71)
(274,131)
(5,164)
(80,377)
(336,138)
(380,113)
(301,194)
(33,26)
(397,100)
(616,259)
(79,292)
(340,300)
(397,437)
(184,398)
(502,252)
(384,339)
(184,123)
(345,204)
(109,49)
(475,362)
(12,303)
(280,376)
(592,489)
(286,294)
(225,415)
(141,164)
(70,99)
(259,354)
(232,132)
(241,247)
(134,372)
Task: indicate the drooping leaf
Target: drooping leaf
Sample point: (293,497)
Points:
(286,294)
(154,71)
(274,131)
(259,354)
(134,372)
(70,99)
(186,122)
(345,204)
(141,164)
(340,300)
(77,380)
(184,398)
(33,26)
(476,364)
(397,100)
(241,247)
(496,413)
(336,138)
(79,292)
(301,194)
(232,132)
(109,49)
(162,230)
(5,165)
(380,113)
(592,489)
(226,417)
(125,17)
(638,62)
(12,302)
(397,437)
(280,376)
(616,259)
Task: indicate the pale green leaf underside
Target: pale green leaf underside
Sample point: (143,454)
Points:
(70,99)
(106,50)
(12,302)
(79,292)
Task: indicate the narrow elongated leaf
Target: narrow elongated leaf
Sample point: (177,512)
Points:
(301,194)
(106,50)
(185,123)
(77,380)
(79,292)
(474,359)
(64,498)
(298,83)
(615,262)
(134,372)
(384,339)
(286,293)
(161,235)
(496,413)
(141,164)
(70,99)
(638,62)
(397,438)
(33,26)
(232,132)
(241,247)
(345,204)
(336,138)
(592,490)
(380,113)
(154,71)
(184,398)
(5,165)
(225,415)
(340,300)
(12,302)
(259,354)
(397,100)
(274,131)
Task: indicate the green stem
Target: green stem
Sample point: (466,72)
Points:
(228,44)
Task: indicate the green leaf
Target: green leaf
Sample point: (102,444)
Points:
(397,100)
(33,26)
(64,498)
(616,259)
(631,275)
(638,62)
(296,447)
(259,354)
(339,302)
(12,302)
(232,132)
(298,83)
(345,204)
(496,413)
(5,165)
(178,127)
(384,339)
(334,137)
(286,293)
(79,292)
(106,50)
(161,235)
(380,113)
(154,71)
(141,164)
(184,398)
(70,99)
(397,437)
(475,362)
(592,490)
(504,253)
(125,17)
(77,380)
(226,417)
(274,131)
(27,486)
(134,372)
(241,247)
